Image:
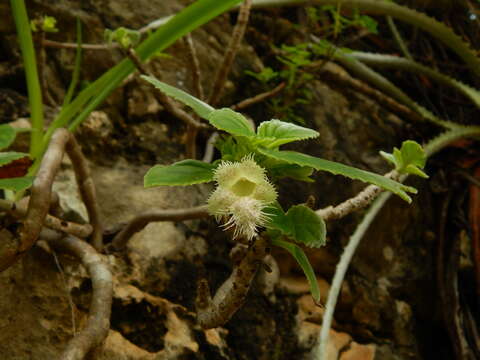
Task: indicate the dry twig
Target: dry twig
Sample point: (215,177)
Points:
(231,295)
(19,210)
(67,45)
(195,67)
(258,98)
(232,49)
(98,322)
(140,221)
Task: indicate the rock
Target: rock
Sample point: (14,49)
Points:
(356,351)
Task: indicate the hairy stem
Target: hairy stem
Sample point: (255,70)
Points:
(232,293)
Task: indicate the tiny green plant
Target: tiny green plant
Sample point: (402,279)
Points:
(245,197)
(11,172)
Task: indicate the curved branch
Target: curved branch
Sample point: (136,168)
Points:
(87,191)
(19,209)
(140,221)
(39,203)
(98,322)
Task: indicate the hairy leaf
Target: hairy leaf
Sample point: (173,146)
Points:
(410,159)
(276,133)
(186,172)
(230,121)
(202,109)
(340,169)
(300,224)
(307,227)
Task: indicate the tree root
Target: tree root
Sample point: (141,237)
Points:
(142,220)
(36,216)
(98,323)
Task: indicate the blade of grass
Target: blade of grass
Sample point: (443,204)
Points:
(78,65)
(24,33)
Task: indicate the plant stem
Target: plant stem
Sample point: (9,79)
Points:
(320,351)
(431,148)
(22,24)
(78,65)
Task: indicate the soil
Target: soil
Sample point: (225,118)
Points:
(389,303)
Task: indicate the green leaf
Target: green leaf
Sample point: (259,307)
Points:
(9,156)
(7,136)
(230,121)
(186,172)
(277,133)
(278,219)
(302,260)
(300,223)
(16,184)
(410,159)
(307,227)
(340,169)
(293,171)
(201,109)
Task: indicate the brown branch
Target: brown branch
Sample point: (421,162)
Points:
(361,200)
(232,293)
(258,98)
(195,67)
(224,69)
(39,203)
(67,45)
(87,191)
(98,322)
(36,214)
(18,210)
(142,220)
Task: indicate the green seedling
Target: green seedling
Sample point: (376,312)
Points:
(245,197)
(410,159)
(9,179)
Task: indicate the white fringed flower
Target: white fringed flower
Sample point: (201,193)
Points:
(243,191)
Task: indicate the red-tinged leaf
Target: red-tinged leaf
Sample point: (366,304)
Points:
(16,168)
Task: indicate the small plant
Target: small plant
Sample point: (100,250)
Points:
(245,198)
(13,165)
